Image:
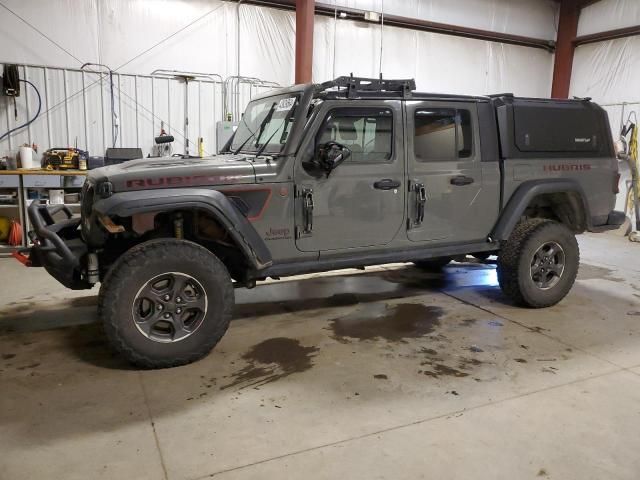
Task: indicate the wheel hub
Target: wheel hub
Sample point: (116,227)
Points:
(169,307)
(547,265)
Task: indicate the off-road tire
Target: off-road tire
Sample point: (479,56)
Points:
(432,264)
(142,263)
(514,262)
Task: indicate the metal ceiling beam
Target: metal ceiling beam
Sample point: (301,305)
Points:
(607,35)
(326,9)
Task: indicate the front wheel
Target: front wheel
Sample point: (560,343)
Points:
(539,262)
(165,303)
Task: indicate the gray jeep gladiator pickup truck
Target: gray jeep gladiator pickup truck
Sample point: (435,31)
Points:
(348,173)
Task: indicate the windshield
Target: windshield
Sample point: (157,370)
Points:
(265,124)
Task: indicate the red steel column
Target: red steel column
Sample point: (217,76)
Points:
(567,31)
(304,40)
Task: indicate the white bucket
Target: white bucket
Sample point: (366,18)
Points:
(26,158)
(56,197)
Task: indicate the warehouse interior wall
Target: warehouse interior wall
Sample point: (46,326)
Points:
(136,37)
(609,71)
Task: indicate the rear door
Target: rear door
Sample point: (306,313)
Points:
(448,200)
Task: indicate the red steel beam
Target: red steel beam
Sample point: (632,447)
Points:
(304,40)
(567,31)
(607,35)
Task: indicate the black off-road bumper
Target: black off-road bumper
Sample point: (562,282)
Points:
(57,245)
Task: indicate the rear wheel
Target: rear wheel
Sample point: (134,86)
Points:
(165,303)
(433,264)
(539,263)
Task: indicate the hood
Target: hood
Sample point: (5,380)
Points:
(176,172)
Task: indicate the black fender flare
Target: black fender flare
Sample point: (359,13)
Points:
(125,204)
(523,196)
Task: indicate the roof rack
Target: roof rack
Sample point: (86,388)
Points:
(353,87)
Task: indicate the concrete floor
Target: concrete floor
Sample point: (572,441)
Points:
(389,373)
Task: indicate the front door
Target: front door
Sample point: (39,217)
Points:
(449,200)
(361,203)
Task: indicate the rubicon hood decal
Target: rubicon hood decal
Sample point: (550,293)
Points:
(171,172)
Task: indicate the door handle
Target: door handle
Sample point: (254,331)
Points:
(386,184)
(461,180)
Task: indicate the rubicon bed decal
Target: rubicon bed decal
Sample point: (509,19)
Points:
(563,167)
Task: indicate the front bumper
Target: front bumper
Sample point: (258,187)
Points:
(57,245)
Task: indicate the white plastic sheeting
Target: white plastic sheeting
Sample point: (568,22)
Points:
(139,36)
(609,15)
(123,34)
(609,72)
(439,63)
(532,18)
(136,37)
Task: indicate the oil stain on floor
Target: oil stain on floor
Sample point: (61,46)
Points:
(393,323)
(591,272)
(271,360)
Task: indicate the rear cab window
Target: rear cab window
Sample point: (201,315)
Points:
(442,134)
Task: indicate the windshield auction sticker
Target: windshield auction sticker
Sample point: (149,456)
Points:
(285,104)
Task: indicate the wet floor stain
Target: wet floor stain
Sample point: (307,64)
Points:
(393,323)
(342,300)
(468,363)
(438,370)
(591,272)
(428,351)
(30,366)
(272,360)
(437,365)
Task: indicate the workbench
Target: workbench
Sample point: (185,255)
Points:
(33,184)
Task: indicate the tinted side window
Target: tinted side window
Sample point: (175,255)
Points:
(442,134)
(367,132)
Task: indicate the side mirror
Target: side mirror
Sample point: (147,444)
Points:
(330,155)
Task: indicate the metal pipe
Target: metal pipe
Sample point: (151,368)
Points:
(238,36)
(231,92)
(114,116)
(186,116)
(160,72)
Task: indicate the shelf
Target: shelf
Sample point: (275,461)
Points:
(37,171)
